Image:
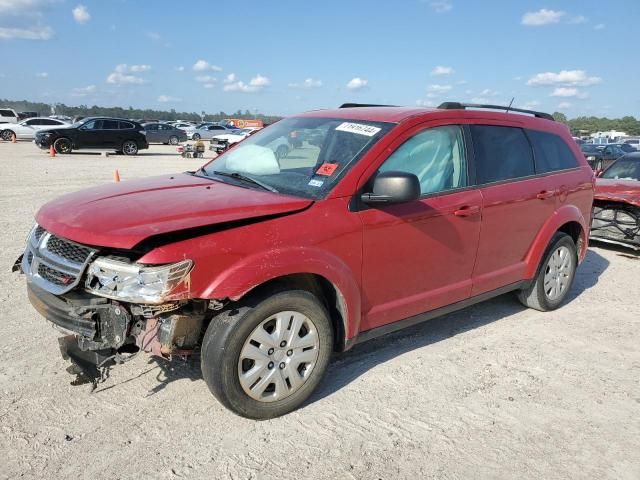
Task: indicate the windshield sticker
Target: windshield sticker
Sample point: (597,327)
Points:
(327,169)
(358,128)
(316,183)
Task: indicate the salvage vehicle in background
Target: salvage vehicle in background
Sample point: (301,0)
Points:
(266,266)
(208,131)
(123,136)
(26,129)
(616,208)
(601,156)
(8,115)
(163,133)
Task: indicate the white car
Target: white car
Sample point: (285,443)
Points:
(26,129)
(234,137)
(207,132)
(8,115)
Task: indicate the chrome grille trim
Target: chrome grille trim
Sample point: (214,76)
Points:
(57,271)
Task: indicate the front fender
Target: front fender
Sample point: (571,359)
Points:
(562,216)
(252,271)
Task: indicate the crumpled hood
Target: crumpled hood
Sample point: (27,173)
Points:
(627,191)
(121,215)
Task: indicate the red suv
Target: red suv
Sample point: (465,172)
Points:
(377,218)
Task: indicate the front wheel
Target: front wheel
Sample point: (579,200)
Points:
(62,145)
(264,359)
(555,275)
(130,147)
(6,135)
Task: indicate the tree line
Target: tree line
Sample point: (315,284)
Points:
(45,109)
(581,125)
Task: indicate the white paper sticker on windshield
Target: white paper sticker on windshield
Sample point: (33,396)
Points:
(315,183)
(358,128)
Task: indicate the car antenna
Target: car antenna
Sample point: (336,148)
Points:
(510,103)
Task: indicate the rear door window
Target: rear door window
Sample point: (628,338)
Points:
(501,153)
(7,113)
(551,152)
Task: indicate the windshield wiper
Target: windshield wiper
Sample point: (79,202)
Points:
(245,178)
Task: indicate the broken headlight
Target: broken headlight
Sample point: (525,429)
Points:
(132,282)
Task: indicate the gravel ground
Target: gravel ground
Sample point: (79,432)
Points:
(493,391)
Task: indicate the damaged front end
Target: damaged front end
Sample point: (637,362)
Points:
(617,223)
(109,307)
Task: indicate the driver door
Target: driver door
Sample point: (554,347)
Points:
(419,256)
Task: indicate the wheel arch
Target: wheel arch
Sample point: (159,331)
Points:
(567,219)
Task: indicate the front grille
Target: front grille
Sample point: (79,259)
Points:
(53,263)
(70,251)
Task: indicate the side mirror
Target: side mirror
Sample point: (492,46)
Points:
(393,187)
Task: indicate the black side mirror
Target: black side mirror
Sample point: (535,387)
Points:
(393,187)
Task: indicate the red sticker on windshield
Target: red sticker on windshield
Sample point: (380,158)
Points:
(327,169)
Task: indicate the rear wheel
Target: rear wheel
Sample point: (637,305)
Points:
(62,145)
(173,140)
(555,275)
(196,136)
(6,135)
(264,359)
(130,147)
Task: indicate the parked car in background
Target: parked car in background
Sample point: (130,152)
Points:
(600,157)
(183,125)
(207,131)
(8,115)
(265,268)
(117,134)
(633,141)
(616,208)
(25,115)
(26,129)
(164,133)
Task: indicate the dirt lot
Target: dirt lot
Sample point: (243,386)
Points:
(493,391)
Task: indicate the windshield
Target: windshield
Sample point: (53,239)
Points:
(300,156)
(623,170)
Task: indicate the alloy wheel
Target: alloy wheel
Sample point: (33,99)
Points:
(558,273)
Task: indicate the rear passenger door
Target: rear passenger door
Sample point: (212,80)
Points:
(153,133)
(516,204)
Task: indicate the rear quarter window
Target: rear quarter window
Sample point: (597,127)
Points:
(7,113)
(501,153)
(126,125)
(551,152)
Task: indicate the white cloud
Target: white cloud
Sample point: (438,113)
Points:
(567,78)
(83,91)
(81,14)
(180,68)
(441,7)
(600,26)
(480,100)
(154,36)
(209,85)
(530,105)
(204,66)
(206,79)
(542,17)
(42,75)
(439,89)
(489,93)
(256,84)
(568,92)
(167,99)
(308,83)
(565,105)
(425,103)
(441,70)
(357,83)
(578,19)
(32,33)
(122,74)
(230,78)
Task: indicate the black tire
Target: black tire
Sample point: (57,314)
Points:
(6,135)
(173,140)
(63,145)
(195,136)
(130,147)
(226,336)
(536,295)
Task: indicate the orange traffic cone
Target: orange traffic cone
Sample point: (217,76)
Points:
(52,151)
(13,138)
(116,176)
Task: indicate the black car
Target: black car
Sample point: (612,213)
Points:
(117,134)
(601,156)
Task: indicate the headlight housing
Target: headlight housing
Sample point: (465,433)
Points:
(132,282)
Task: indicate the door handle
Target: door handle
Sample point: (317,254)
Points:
(545,194)
(467,211)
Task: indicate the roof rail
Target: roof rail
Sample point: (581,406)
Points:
(355,105)
(464,106)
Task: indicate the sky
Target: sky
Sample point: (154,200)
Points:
(283,56)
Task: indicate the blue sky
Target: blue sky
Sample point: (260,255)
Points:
(285,56)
